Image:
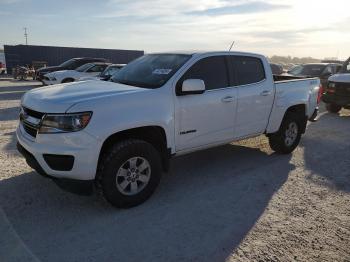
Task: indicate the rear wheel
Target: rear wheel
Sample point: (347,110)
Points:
(288,137)
(333,108)
(129,173)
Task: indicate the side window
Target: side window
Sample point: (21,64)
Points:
(249,70)
(212,70)
(97,68)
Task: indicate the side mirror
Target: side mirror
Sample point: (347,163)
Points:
(192,86)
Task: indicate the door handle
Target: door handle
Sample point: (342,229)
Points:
(265,93)
(227,99)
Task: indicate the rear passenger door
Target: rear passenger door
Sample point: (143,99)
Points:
(207,118)
(255,95)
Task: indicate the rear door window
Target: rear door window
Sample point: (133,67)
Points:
(249,70)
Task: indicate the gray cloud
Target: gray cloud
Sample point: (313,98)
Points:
(244,8)
(286,35)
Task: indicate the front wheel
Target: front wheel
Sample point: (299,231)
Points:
(333,108)
(129,173)
(289,135)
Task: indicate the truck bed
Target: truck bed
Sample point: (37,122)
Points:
(280,78)
(293,91)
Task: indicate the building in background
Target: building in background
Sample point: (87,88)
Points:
(23,55)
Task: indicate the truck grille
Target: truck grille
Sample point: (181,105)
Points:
(30,120)
(30,130)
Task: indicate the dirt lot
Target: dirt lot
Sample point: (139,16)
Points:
(238,202)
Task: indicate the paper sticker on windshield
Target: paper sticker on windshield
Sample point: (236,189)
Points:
(161,71)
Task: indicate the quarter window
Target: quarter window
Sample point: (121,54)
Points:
(212,70)
(249,70)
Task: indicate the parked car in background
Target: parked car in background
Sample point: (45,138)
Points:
(2,68)
(337,94)
(293,68)
(276,69)
(66,76)
(2,63)
(320,70)
(70,64)
(120,134)
(105,74)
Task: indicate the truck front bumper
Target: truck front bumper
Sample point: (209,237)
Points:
(65,155)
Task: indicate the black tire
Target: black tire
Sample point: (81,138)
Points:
(67,80)
(114,160)
(333,108)
(279,142)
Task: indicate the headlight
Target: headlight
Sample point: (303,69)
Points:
(60,123)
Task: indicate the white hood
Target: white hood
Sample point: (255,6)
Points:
(59,98)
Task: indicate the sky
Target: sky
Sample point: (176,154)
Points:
(291,27)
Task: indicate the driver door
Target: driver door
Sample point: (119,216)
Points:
(207,118)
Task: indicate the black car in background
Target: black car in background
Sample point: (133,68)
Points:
(70,64)
(276,69)
(321,70)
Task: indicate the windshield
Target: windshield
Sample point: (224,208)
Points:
(150,71)
(69,63)
(83,68)
(308,70)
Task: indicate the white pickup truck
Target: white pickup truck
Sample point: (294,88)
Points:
(121,134)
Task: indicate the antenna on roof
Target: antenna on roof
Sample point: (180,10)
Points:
(231,46)
(25,34)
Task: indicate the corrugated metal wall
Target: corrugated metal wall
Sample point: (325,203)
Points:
(54,55)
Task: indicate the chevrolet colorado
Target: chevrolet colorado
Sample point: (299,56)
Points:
(121,134)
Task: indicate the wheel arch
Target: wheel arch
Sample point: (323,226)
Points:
(155,135)
(64,80)
(299,109)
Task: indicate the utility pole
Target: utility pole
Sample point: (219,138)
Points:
(26,35)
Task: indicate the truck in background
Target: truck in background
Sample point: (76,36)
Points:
(337,94)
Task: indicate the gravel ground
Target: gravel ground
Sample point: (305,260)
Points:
(238,202)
